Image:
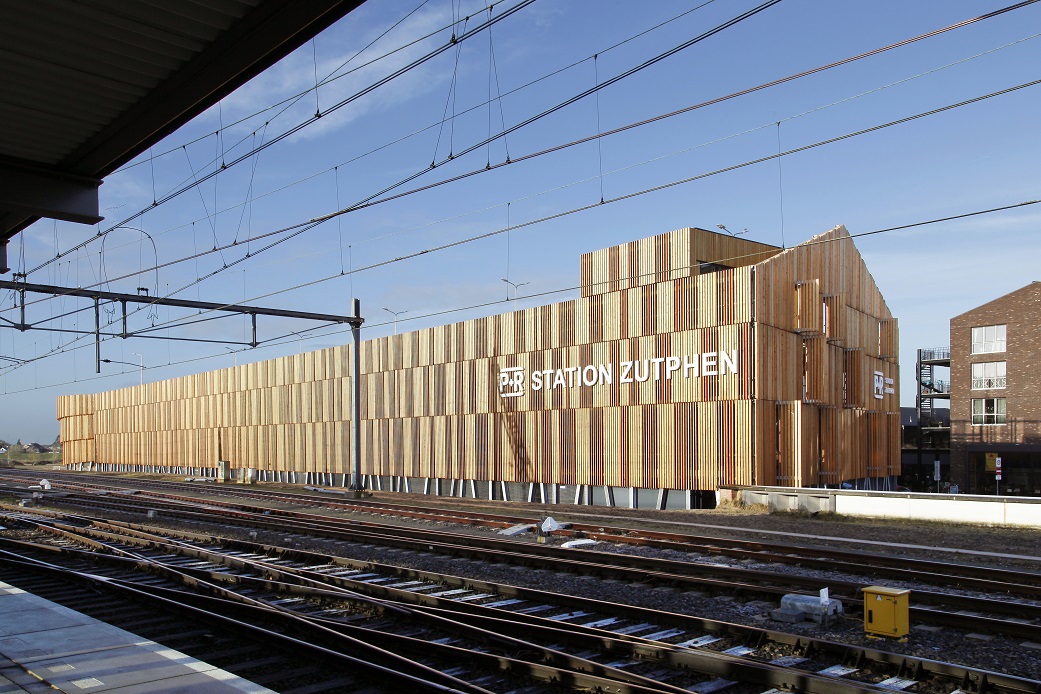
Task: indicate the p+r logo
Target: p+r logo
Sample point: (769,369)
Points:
(511,382)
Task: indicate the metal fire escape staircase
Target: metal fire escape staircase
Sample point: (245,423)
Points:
(930,389)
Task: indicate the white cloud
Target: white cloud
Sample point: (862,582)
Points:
(296,74)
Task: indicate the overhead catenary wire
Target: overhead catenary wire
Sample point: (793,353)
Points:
(285,339)
(663,116)
(624,197)
(532,119)
(729,259)
(558,215)
(628,73)
(292,99)
(437,123)
(652,61)
(333,76)
(578,97)
(521,4)
(663,186)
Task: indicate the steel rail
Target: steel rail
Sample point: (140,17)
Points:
(281,572)
(587,562)
(900,568)
(166,604)
(724,666)
(548,666)
(553,665)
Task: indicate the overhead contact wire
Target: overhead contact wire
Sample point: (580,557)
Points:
(304,226)
(303,124)
(271,342)
(308,225)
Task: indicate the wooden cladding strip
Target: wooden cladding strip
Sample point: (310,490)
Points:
(889,340)
(835,318)
(77,427)
(666,258)
(825,445)
(74,405)
(831,260)
(776,352)
(697,446)
(830,433)
(721,298)
(809,308)
(79,451)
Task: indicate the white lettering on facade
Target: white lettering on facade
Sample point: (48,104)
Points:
(672,364)
(880,385)
(559,381)
(657,361)
(511,382)
(589,375)
(627,372)
(512,379)
(571,371)
(726,361)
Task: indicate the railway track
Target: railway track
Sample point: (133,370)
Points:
(1018,616)
(590,644)
(813,557)
(256,651)
(333,632)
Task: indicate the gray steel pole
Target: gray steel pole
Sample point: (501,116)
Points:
(356,400)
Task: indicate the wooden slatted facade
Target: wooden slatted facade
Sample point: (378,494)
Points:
(692,360)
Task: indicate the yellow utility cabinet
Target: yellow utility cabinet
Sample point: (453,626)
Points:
(885,611)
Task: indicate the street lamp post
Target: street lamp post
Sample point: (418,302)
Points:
(516,290)
(395,314)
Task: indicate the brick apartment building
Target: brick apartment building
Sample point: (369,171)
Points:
(996,395)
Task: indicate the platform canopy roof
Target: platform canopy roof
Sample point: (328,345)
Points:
(87,85)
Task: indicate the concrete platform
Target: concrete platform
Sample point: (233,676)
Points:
(72,652)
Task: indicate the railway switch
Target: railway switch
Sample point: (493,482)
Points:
(886,611)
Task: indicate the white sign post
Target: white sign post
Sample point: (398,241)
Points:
(997,476)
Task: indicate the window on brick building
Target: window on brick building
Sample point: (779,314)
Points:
(988,374)
(988,338)
(988,410)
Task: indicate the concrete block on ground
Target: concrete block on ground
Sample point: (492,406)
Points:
(787,616)
(572,544)
(812,606)
(980,637)
(518,530)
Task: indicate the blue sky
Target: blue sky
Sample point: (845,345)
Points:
(976,157)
